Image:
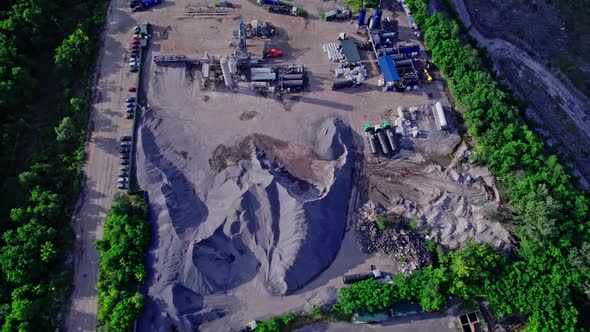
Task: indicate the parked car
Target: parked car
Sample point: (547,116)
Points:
(125,138)
(136,41)
(123,180)
(125,143)
(123,168)
(136,29)
(124,162)
(132,89)
(129,116)
(123,186)
(123,173)
(134,69)
(124,156)
(134,47)
(124,150)
(130,110)
(130,100)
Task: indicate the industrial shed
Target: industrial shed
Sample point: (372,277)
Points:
(350,51)
(388,69)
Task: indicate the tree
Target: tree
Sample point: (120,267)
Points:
(66,129)
(73,52)
(537,221)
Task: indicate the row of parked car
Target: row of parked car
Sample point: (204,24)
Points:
(131,103)
(125,149)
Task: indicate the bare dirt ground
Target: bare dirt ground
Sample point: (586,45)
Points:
(218,259)
(107,124)
(555,103)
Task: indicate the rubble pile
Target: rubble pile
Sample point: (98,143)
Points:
(396,240)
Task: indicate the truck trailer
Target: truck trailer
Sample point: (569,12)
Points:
(352,278)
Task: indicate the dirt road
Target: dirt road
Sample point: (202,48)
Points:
(107,123)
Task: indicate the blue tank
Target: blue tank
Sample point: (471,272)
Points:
(362,15)
(377,18)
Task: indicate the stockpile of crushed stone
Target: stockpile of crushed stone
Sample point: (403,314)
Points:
(273,210)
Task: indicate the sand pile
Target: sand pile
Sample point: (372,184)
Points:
(272,210)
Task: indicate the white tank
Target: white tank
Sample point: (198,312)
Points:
(440,115)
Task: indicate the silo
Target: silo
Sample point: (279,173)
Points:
(377,18)
(362,15)
(382,140)
(386,125)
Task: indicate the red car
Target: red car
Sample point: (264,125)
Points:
(132,89)
(136,42)
(274,52)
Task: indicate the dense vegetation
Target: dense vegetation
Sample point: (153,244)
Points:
(47,52)
(461,274)
(121,267)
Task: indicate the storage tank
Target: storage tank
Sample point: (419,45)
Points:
(293,84)
(388,35)
(382,140)
(440,116)
(377,18)
(259,85)
(362,15)
(370,133)
(293,76)
(390,132)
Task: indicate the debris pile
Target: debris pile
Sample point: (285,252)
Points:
(334,51)
(351,72)
(395,240)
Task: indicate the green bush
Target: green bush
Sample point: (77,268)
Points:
(382,223)
(122,251)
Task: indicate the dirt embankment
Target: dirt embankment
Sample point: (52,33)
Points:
(274,211)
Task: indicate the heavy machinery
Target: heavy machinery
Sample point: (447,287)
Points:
(427,76)
(337,14)
(382,140)
(352,278)
(390,133)
(273,53)
(370,132)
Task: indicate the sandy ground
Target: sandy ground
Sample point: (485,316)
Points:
(521,68)
(107,124)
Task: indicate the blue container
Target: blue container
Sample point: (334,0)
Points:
(362,15)
(377,18)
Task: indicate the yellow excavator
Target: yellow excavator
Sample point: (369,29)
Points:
(427,75)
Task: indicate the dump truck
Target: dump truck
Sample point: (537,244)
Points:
(352,278)
(382,140)
(285,10)
(370,133)
(337,14)
(390,133)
